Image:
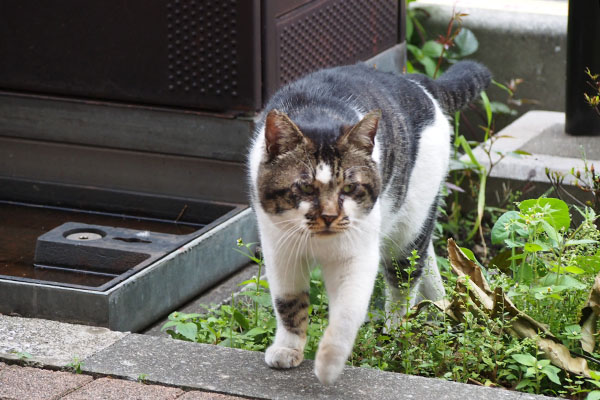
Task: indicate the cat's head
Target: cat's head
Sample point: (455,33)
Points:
(319,177)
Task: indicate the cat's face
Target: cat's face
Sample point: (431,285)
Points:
(318,188)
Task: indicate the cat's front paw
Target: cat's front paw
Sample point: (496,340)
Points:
(329,363)
(283,357)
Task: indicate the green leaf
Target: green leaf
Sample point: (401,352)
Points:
(488,108)
(469,254)
(432,49)
(532,247)
(595,375)
(572,330)
(169,324)
(558,216)
(466,42)
(512,244)
(550,231)
(499,231)
(256,331)
(252,281)
(501,261)
(525,359)
(567,281)
(572,269)
(409,28)
(429,65)
(593,395)
(189,330)
(263,298)
(185,316)
(415,51)
(501,108)
(552,373)
(523,384)
(240,319)
(503,87)
(589,263)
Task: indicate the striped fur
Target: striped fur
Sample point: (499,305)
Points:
(345,171)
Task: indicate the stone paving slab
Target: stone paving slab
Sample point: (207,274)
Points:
(25,383)
(50,342)
(244,373)
(108,388)
(196,395)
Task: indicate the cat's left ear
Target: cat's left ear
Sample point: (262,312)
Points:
(362,135)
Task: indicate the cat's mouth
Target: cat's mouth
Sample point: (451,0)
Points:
(326,232)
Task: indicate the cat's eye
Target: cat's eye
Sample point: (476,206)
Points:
(306,188)
(349,188)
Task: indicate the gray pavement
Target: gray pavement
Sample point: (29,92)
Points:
(177,369)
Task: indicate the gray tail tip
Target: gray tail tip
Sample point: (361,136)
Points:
(469,70)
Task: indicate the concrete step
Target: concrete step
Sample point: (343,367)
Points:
(196,367)
(540,133)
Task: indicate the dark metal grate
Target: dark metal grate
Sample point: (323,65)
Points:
(202,46)
(337,33)
(221,55)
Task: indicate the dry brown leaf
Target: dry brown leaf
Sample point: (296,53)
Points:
(497,303)
(461,265)
(589,316)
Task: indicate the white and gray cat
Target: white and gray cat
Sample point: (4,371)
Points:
(345,172)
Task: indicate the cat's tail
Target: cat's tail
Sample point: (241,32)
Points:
(459,85)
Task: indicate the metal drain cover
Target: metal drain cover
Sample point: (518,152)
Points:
(84,236)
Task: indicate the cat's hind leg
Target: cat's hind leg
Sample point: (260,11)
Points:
(406,288)
(432,287)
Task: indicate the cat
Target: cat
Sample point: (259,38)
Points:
(345,171)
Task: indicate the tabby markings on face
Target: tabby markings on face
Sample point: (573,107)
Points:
(323,187)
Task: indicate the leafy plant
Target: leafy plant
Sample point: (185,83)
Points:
(587,181)
(534,371)
(75,365)
(248,321)
(22,355)
(594,99)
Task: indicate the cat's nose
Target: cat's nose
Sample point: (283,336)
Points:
(328,218)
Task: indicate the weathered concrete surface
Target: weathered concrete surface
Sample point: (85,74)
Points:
(538,132)
(553,141)
(25,383)
(196,395)
(239,372)
(49,342)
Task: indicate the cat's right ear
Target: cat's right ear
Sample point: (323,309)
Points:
(281,134)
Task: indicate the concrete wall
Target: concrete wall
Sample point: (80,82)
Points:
(517,39)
